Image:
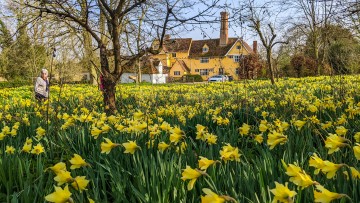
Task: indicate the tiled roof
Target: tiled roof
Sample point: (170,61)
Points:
(177,45)
(183,65)
(214,48)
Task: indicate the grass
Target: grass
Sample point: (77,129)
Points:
(149,175)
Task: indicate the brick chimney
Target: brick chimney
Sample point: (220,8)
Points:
(224,30)
(255,47)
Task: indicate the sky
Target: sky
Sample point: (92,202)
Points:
(212,30)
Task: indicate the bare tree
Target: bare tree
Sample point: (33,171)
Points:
(258,18)
(119,15)
(315,17)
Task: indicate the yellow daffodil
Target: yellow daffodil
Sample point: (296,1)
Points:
(192,175)
(299,124)
(28,140)
(130,147)
(357,151)
(95,132)
(357,137)
(138,115)
(107,146)
(330,169)
(325,196)
(77,161)
(326,125)
(263,127)
(63,177)
(27,148)
(341,130)
(275,138)
(211,197)
(10,150)
(204,163)
(244,129)
(38,149)
(175,138)
(163,146)
(200,132)
(312,108)
(165,126)
(210,138)
(355,174)
(80,183)
(40,132)
(282,193)
(2,135)
(317,163)
(182,148)
(298,176)
(229,152)
(57,168)
(259,138)
(333,142)
(60,195)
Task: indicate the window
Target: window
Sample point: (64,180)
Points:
(238,47)
(231,56)
(197,70)
(204,71)
(236,58)
(221,71)
(205,49)
(173,55)
(204,60)
(237,71)
(176,72)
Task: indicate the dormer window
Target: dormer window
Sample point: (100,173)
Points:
(173,54)
(205,49)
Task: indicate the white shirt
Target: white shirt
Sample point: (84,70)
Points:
(40,87)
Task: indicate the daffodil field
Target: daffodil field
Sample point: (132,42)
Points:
(298,141)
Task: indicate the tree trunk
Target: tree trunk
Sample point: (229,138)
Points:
(109,97)
(108,82)
(270,66)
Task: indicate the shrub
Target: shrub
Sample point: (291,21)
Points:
(16,83)
(192,78)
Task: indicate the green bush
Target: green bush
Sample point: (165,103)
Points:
(9,84)
(192,78)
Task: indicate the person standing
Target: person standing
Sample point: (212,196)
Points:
(42,86)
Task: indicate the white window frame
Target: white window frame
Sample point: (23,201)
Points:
(237,58)
(204,60)
(204,72)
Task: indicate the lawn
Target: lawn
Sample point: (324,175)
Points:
(249,141)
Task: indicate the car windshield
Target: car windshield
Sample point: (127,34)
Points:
(217,76)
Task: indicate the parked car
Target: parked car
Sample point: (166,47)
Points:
(218,78)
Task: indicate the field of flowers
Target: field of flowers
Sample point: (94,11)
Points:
(220,142)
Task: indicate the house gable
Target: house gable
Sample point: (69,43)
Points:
(238,48)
